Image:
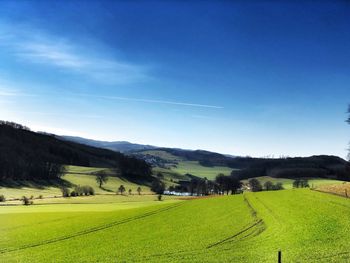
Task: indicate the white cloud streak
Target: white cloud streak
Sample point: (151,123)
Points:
(93,63)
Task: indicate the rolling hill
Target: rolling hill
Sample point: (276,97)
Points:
(208,164)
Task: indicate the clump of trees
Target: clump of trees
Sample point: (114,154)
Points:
(222,184)
(255,185)
(269,186)
(78,191)
(2,198)
(227,184)
(301,183)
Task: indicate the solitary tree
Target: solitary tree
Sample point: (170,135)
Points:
(130,191)
(121,189)
(158,186)
(139,190)
(101,178)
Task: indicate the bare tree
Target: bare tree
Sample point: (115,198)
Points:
(101,178)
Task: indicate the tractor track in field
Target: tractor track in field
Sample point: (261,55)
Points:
(229,239)
(90,230)
(257,222)
(246,230)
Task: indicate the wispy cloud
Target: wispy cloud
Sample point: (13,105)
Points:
(8,90)
(91,62)
(189,104)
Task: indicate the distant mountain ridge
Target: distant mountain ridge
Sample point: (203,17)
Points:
(119,146)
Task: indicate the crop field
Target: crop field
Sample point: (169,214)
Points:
(306,225)
(196,169)
(342,189)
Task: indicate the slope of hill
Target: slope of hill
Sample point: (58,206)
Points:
(28,155)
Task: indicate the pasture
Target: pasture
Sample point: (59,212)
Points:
(194,168)
(308,226)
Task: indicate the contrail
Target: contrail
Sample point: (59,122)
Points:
(156,101)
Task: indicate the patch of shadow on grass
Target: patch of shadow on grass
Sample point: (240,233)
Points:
(38,184)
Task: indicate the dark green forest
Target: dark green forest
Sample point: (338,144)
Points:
(26,155)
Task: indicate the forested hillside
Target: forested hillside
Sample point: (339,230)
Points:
(322,166)
(28,155)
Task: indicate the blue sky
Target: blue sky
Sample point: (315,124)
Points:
(241,77)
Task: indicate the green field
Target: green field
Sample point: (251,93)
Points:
(306,225)
(194,168)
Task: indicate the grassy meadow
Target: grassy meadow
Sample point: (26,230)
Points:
(194,168)
(308,226)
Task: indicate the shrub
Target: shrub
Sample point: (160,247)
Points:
(82,190)
(2,198)
(88,190)
(26,201)
(40,197)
